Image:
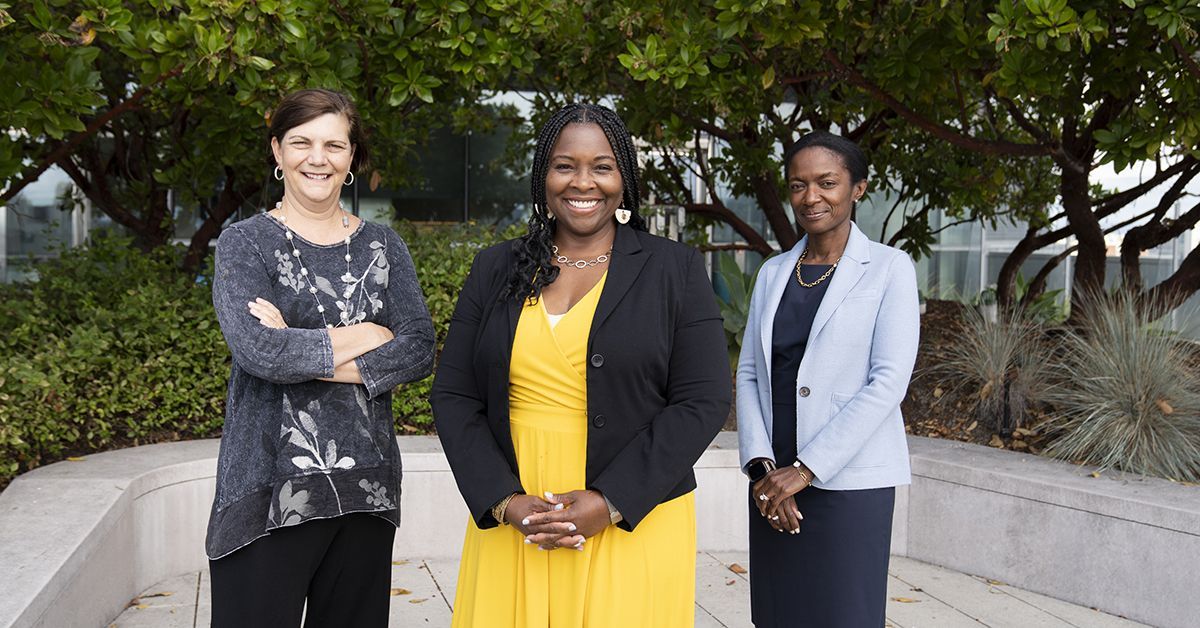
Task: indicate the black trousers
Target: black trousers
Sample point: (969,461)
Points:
(831,575)
(342,566)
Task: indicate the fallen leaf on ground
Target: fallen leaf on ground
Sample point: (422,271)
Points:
(141,606)
(76,458)
(996,441)
(972,426)
(159,594)
(938,392)
(730,582)
(905,600)
(1019,444)
(399,562)
(1095,474)
(400,591)
(1164,407)
(417,601)
(736,568)
(995,582)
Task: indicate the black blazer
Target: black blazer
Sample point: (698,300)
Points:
(658,381)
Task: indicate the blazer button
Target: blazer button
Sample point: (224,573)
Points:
(597,360)
(599,421)
(804,391)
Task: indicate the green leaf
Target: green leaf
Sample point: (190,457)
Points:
(768,77)
(261,63)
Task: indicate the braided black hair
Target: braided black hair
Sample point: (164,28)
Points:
(534,268)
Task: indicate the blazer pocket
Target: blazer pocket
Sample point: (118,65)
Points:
(863,294)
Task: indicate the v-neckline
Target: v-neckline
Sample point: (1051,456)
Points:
(585,297)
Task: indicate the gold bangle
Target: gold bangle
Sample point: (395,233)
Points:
(498,509)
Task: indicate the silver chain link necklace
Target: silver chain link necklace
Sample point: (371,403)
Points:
(580,263)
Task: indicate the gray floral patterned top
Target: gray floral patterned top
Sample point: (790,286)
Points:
(295,448)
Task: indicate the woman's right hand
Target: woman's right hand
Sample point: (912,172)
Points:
(522,506)
(785,517)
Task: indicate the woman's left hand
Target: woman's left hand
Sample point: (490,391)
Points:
(586,509)
(777,486)
(267,313)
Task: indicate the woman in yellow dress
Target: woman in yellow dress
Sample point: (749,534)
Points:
(584,373)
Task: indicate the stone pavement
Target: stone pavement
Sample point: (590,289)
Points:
(919,596)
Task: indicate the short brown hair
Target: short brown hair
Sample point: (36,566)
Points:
(303,105)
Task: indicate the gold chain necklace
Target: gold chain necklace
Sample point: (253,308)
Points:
(819,279)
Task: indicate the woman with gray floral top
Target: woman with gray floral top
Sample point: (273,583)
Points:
(323,315)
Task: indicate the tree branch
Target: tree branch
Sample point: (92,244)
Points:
(64,149)
(941,131)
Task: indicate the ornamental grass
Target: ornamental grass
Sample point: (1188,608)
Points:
(1002,368)
(1128,396)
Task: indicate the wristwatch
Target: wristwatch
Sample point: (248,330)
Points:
(759,469)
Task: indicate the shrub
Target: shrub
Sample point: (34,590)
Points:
(1129,397)
(1004,367)
(111,346)
(442,254)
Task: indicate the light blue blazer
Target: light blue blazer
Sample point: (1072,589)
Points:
(855,370)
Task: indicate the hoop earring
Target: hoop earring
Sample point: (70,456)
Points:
(549,214)
(623,215)
(349,179)
(278,173)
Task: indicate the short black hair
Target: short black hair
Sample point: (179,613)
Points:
(852,156)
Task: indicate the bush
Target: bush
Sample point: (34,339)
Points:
(1004,367)
(442,254)
(1129,396)
(113,347)
(109,347)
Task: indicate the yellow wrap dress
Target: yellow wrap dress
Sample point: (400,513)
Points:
(620,579)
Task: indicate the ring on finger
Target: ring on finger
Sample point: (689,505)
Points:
(762,497)
(775,518)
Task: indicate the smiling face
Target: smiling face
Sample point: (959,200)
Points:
(315,158)
(822,191)
(583,184)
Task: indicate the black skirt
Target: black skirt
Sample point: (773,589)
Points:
(833,574)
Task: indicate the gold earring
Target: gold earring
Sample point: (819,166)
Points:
(623,215)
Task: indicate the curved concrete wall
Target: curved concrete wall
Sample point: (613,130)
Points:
(78,540)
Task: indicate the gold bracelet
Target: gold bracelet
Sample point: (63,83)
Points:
(807,477)
(498,509)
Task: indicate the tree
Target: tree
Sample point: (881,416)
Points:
(148,105)
(1077,84)
(982,110)
(749,76)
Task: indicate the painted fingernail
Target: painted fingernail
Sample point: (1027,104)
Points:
(528,542)
(525,521)
(558,506)
(540,548)
(549,495)
(799,516)
(570,527)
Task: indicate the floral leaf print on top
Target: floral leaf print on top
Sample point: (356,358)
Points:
(295,447)
(293,507)
(354,298)
(305,434)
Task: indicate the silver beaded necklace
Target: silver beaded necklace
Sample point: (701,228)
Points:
(348,278)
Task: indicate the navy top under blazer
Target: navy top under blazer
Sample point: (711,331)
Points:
(854,373)
(658,380)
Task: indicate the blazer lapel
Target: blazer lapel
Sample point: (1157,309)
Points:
(852,267)
(779,281)
(623,270)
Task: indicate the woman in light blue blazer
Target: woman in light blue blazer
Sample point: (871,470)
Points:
(829,348)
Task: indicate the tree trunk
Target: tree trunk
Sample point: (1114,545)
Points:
(1088,279)
(767,195)
(227,205)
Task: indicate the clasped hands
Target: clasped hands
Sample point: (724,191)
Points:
(562,520)
(780,487)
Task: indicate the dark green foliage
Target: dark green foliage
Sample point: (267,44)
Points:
(114,347)
(442,255)
(110,347)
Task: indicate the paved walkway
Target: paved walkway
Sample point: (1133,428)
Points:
(919,596)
